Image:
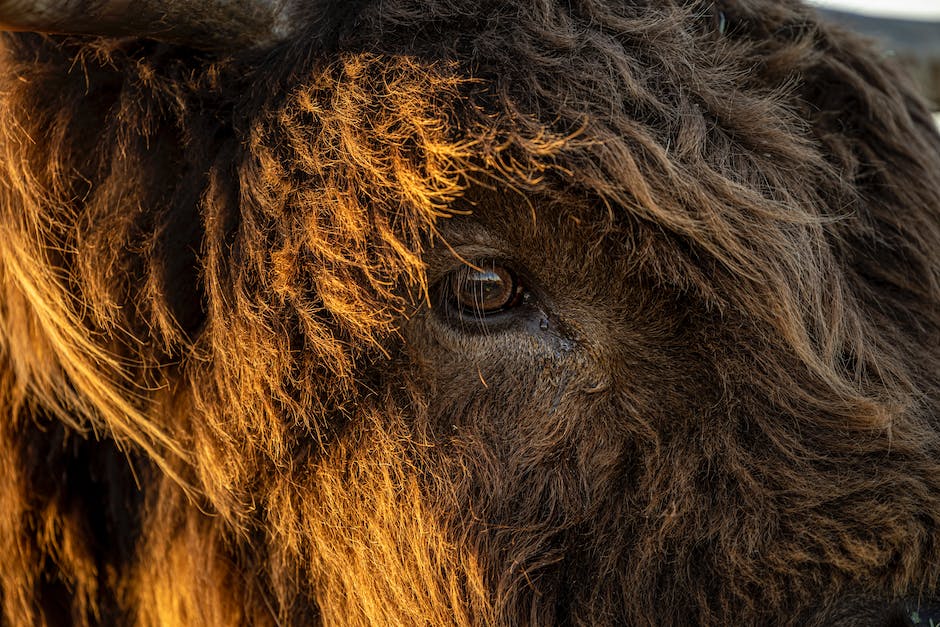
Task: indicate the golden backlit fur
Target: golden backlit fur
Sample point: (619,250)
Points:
(229,395)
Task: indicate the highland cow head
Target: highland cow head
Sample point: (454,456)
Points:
(479,313)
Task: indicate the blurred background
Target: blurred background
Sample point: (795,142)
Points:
(908,29)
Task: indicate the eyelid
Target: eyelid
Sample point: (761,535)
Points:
(443,262)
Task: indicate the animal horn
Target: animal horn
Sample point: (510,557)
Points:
(206,24)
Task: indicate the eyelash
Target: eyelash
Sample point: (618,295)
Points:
(460,300)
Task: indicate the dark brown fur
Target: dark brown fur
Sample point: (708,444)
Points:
(228,399)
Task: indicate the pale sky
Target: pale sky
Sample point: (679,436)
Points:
(916,9)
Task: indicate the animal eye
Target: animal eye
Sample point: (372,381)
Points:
(486,289)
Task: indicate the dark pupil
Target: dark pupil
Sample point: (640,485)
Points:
(484,291)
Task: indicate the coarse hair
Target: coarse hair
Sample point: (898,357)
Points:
(212,413)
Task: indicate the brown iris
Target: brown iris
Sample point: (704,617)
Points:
(484,290)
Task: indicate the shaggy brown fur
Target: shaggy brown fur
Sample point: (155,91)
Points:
(229,395)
